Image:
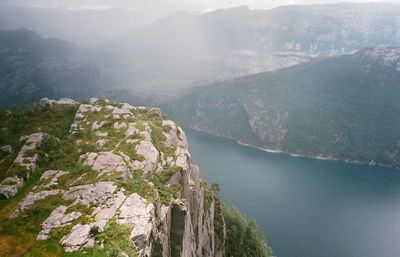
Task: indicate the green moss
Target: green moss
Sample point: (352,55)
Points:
(208,197)
(28,223)
(57,154)
(163,176)
(79,208)
(137,185)
(129,149)
(17,170)
(166,128)
(116,238)
(140,126)
(158,138)
(159,180)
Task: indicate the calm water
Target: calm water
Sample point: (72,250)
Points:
(306,208)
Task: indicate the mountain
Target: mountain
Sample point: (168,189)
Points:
(82,27)
(109,179)
(184,50)
(312,29)
(344,107)
(167,58)
(31,66)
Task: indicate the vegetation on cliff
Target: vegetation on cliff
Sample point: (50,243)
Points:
(108,179)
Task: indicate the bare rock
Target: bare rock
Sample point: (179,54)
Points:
(106,162)
(150,154)
(182,158)
(100,144)
(93,100)
(101,134)
(29,162)
(7,149)
(119,126)
(54,174)
(93,193)
(123,111)
(175,136)
(80,236)
(31,198)
(88,159)
(97,125)
(104,212)
(137,212)
(79,117)
(45,101)
(10,186)
(66,101)
(133,130)
(57,218)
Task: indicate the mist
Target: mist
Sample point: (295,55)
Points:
(171,5)
(159,51)
(296,103)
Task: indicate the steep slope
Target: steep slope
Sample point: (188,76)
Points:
(344,108)
(104,179)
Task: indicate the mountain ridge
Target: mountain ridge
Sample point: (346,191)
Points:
(341,107)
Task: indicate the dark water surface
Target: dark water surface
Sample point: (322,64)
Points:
(305,207)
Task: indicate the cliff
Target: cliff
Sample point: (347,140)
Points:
(102,179)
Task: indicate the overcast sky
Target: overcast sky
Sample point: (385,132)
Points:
(189,5)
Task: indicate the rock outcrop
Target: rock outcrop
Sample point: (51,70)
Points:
(132,169)
(26,160)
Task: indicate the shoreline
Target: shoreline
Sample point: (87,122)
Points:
(319,157)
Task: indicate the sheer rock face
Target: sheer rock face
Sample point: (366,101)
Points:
(135,170)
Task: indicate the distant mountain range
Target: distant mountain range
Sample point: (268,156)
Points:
(344,107)
(315,30)
(320,104)
(165,58)
(184,50)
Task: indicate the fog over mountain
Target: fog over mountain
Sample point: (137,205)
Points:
(101,173)
(83,27)
(193,5)
(161,59)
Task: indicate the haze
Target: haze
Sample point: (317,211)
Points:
(193,5)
